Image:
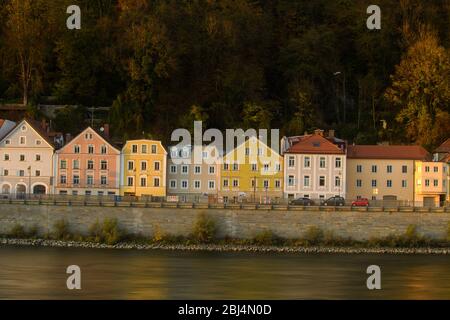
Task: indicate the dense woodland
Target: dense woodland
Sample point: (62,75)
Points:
(291,64)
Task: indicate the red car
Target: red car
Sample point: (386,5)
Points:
(363,202)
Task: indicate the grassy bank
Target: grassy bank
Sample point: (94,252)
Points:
(204,232)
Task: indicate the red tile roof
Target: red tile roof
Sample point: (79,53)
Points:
(387,152)
(444,148)
(315,144)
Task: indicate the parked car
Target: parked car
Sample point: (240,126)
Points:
(334,201)
(302,202)
(363,202)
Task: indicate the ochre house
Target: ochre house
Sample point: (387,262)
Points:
(143,167)
(251,172)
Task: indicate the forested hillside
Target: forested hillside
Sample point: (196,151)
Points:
(289,64)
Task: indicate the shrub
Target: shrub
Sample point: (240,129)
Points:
(111,233)
(17,231)
(61,230)
(313,235)
(265,238)
(204,229)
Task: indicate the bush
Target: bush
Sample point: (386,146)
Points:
(17,231)
(313,235)
(61,230)
(204,229)
(266,238)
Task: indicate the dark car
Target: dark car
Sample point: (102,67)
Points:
(302,202)
(334,201)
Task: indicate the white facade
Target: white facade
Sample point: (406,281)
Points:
(26,165)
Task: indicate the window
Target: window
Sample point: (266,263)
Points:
(90,149)
(322,181)
(63,164)
(37,173)
(277,184)
(143,165)
(404,169)
(173,184)
(374,168)
(374,183)
(235,182)
(173,169)
(359,183)
(76,179)
(144,148)
(90,164)
(76,164)
(22,157)
(153,148)
(291,180)
(143,181)
(63,179)
(389,183)
(337,181)
(184,169)
(134,148)
(359,168)
(266,183)
(212,169)
(6,157)
(130,181)
(38,157)
(196,184)
(5,172)
(389,169)
(103,165)
(184,184)
(130,165)
(76,149)
(103,149)
(103,180)
(21,173)
(211,184)
(225,183)
(90,180)
(306,181)
(338,163)
(197,170)
(22,140)
(404,183)
(307,162)
(322,163)
(254,167)
(156,182)
(291,162)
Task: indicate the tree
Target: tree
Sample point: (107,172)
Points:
(420,90)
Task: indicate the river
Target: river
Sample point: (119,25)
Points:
(40,273)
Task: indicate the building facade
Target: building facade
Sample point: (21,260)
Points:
(314,168)
(87,165)
(190,179)
(26,165)
(143,168)
(384,172)
(251,172)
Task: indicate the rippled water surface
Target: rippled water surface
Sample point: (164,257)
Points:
(40,273)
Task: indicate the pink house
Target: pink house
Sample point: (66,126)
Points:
(87,165)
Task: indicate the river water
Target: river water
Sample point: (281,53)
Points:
(40,273)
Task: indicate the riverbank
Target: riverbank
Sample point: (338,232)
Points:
(222,247)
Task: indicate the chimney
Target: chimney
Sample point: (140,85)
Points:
(318,132)
(106,130)
(331,133)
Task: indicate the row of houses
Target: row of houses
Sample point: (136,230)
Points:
(34,160)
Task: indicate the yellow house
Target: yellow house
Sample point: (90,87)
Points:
(143,168)
(251,172)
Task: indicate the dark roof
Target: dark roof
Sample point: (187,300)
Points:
(314,144)
(387,152)
(444,147)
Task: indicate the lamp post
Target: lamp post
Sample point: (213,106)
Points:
(336,74)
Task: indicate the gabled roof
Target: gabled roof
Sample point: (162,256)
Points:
(36,126)
(387,152)
(314,144)
(97,133)
(444,147)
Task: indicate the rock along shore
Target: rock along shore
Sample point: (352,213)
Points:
(222,247)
